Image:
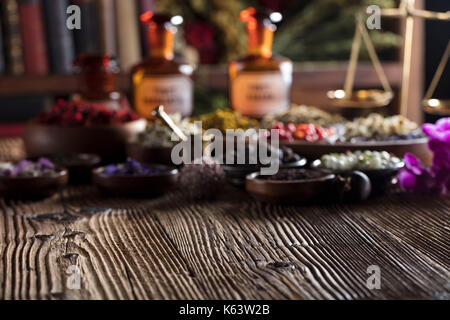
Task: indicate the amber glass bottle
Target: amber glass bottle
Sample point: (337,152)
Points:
(260,83)
(96,81)
(161,79)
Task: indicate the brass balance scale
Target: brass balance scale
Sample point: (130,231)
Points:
(373,98)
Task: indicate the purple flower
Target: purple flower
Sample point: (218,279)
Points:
(413,164)
(131,167)
(21,167)
(407,179)
(439,142)
(439,131)
(415,176)
(44,163)
(111,170)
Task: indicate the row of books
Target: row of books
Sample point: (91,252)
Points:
(35,38)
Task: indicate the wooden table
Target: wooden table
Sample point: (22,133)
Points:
(230,248)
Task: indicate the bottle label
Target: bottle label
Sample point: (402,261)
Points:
(175,93)
(257,94)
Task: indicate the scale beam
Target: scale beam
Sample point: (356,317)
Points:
(408,13)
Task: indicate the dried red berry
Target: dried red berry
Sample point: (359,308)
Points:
(84,114)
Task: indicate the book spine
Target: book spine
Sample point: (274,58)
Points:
(107,27)
(87,38)
(60,39)
(12,39)
(144,6)
(33,37)
(2,56)
(128,34)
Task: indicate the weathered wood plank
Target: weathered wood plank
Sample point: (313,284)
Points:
(230,248)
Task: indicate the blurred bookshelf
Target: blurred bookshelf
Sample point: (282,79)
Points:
(308,76)
(37,52)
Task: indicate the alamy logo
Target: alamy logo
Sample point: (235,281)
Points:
(234,147)
(374,19)
(74,280)
(74,19)
(374,281)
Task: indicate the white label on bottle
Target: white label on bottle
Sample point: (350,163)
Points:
(257,94)
(173,92)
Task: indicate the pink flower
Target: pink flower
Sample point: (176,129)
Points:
(435,179)
(439,131)
(415,176)
(413,164)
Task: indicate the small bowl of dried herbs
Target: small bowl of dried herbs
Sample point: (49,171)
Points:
(135,179)
(80,127)
(31,179)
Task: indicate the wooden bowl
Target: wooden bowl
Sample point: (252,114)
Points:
(289,191)
(162,155)
(137,186)
(33,187)
(236,174)
(313,151)
(107,141)
(381,179)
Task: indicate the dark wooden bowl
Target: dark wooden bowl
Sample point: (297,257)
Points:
(381,179)
(236,174)
(137,186)
(143,154)
(289,191)
(33,187)
(161,155)
(313,151)
(107,141)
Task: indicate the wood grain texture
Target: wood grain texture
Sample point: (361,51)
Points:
(229,248)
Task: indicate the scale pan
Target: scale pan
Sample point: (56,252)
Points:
(437,106)
(361,98)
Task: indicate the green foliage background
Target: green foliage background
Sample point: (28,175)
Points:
(312,30)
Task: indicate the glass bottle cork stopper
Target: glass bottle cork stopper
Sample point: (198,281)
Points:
(161,31)
(264,18)
(260,30)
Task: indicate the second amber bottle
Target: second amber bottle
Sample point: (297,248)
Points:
(161,79)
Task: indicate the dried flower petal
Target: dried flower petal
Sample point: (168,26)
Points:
(26,168)
(46,163)
(81,113)
(131,167)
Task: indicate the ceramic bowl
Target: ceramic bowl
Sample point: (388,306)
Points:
(107,141)
(137,186)
(33,187)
